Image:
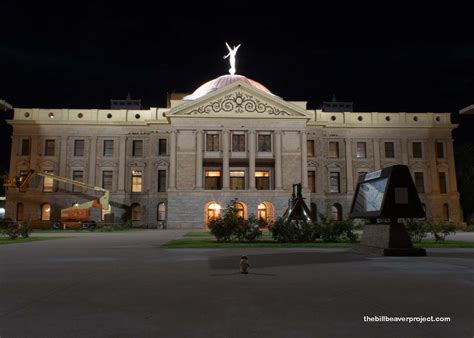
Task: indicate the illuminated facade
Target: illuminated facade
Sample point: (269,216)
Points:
(231,139)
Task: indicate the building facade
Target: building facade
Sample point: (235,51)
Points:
(231,139)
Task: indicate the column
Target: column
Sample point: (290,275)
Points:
(376,154)
(429,150)
(14,154)
(172,173)
(92,159)
(252,152)
(278,180)
(199,136)
(453,187)
(225,160)
(304,161)
(349,171)
(122,151)
(62,163)
(404,151)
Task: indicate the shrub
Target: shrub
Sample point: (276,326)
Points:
(336,231)
(248,230)
(24,230)
(14,230)
(470,228)
(416,230)
(285,231)
(226,226)
(440,229)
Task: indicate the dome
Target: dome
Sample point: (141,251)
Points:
(221,82)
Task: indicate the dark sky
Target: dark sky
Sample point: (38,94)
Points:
(384,57)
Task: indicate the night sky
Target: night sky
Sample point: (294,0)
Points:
(391,57)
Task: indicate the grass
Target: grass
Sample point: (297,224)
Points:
(6,240)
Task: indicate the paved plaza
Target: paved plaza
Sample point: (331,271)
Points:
(124,285)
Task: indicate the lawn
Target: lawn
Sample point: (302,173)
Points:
(6,240)
(204,239)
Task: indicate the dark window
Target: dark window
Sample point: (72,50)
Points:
(48,182)
(334,149)
(161,212)
(212,180)
(439,150)
(161,180)
(336,211)
(417,151)
(334,182)
(137,150)
(212,142)
(442,183)
(238,142)
(162,146)
(108,148)
(264,143)
(237,180)
(77,175)
(136,212)
(20,212)
(49,148)
(310,147)
(312,180)
(389,149)
(419,182)
(314,211)
(262,180)
(25,147)
(445,212)
(361,150)
(107,177)
(78,147)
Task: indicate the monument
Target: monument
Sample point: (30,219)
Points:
(387,194)
(297,208)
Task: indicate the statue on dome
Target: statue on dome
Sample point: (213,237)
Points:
(231,56)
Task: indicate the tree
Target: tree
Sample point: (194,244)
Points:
(464,156)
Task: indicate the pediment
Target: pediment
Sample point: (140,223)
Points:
(238,100)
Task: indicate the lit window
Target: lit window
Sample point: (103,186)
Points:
(79,148)
(46,212)
(264,142)
(262,212)
(238,142)
(108,148)
(48,182)
(237,180)
(262,180)
(239,210)
(212,180)
(334,182)
(361,150)
(213,211)
(212,142)
(333,149)
(137,150)
(136,181)
(310,147)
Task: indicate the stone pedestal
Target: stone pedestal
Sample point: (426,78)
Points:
(387,240)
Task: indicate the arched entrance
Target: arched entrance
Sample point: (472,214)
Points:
(336,212)
(136,213)
(265,212)
(212,210)
(46,212)
(240,209)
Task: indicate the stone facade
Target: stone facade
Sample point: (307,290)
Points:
(128,150)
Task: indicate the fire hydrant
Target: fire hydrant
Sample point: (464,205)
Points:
(244,264)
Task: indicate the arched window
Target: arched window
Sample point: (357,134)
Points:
(20,212)
(239,209)
(336,211)
(161,211)
(213,210)
(136,212)
(445,212)
(262,212)
(46,212)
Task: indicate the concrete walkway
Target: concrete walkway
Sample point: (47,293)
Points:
(124,285)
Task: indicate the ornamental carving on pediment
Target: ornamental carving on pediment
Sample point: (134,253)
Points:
(161,163)
(240,103)
(313,163)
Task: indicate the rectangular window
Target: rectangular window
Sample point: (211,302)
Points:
(137,150)
(237,180)
(443,188)
(417,151)
(136,181)
(162,146)
(161,180)
(310,147)
(389,150)
(312,180)
(212,142)
(49,147)
(48,182)
(108,148)
(107,179)
(238,142)
(25,147)
(361,150)
(439,150)
(79,148)
(334,182)
(262,180)
(212,180)
(77,175)
(333,150)
(265,143)
(23,174)
(419,182)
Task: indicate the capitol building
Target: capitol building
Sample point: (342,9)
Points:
(232,138)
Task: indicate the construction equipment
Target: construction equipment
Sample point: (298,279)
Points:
(79,215)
